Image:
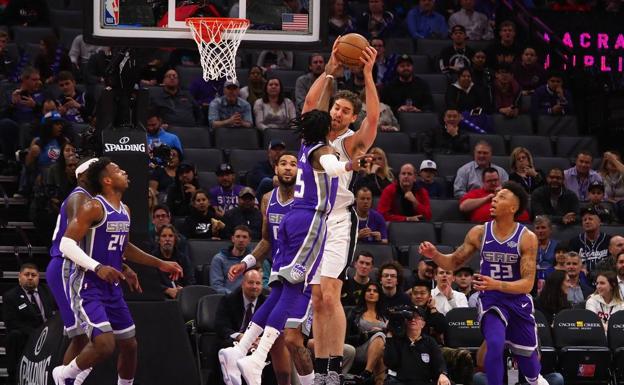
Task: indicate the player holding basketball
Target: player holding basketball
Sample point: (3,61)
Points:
(508,254)
(98,301)
(329,322)
(60,269)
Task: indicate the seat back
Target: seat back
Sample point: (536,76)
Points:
(243,138)
(414,123)
(201,253)
(520,125)
(569,146)
(192,137)
(413,256)
(578,327)
(381,253)
(289,137)
(449,164)
(615,332)
(557,125)
(538,146)
(402,45)
(207,179)
(453,234)
(443,210)
(393,141)
(544,331)
(396,160)
(437,82)
(204,159)
(189,297)
(403,234)
(207,312)
(243,161)
(464,329)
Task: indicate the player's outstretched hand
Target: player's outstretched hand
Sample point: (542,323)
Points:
(427,249)
(174,270)
(369,55)
(110,274)
(333,66)
(485,282)
(361,161)
(236,270)
(132,279)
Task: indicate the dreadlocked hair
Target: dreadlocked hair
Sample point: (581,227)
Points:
(312,127)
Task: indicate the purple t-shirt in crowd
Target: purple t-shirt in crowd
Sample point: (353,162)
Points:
(375,222)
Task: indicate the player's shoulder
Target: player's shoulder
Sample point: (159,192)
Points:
(527,234)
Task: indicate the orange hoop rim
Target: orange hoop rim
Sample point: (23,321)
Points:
(219,21)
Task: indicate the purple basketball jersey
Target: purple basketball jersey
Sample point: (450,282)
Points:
(275,212)
(62,222)
(313,190)
(107,241)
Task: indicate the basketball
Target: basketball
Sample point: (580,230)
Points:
(350,49)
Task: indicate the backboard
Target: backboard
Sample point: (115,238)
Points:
(274,23)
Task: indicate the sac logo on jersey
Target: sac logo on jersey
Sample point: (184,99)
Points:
(496,257)
(276,218)
(117,227)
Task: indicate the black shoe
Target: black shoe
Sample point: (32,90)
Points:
(366,378)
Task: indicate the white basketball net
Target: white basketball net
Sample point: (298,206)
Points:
(217,41)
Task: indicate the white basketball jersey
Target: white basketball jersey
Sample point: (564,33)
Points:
(344,196)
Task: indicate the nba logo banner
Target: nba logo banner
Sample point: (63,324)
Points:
(111,12)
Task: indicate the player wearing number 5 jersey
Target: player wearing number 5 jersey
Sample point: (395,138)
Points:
(95,294)
(508,252)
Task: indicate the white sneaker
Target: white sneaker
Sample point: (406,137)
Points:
(57,376)
(541,380)
(250,370)
(227,359)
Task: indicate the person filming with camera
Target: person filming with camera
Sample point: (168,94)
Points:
(412,358)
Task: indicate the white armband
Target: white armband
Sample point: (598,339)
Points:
(249,261)
(71,250)
(332,166)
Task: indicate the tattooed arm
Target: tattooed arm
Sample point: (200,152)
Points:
(452,261)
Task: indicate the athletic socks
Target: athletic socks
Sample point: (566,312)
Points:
(266,343)
(308,379)
(320,365)
(71,371)
(121,381)
(249,337)
(335,364)
(82,376)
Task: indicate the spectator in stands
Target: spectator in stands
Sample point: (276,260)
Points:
(230,110)
(606,300)
(273,110)
(407,93)
(523,170)
(414,357)
(445,297)
(371,224)
(424,23)
(153,71)
(263,174)
(428,170)
(405,200)
(546,246)
(202,223)
(561,252)
(32,13)
(22,111)
(316,66)
(353,287)
(377,175)
(177,107)
(449,139)
(592,244)
(162,216)
(435,322)
(529,71)
(387,121)
(385,65)
(476,203)
(555,200)
(97,65)
(236,309)
(163,175)
(204,92)
(275,59)
(578,178)
(579,287)
(8,61)
(457,56)
(616,247)
(506,50)
(424,271)
(376,21)
(391,280)
(156,134)
(24,308)
(465,97)
(224,197)
(52,59)
(256,85)
(72,103)
(60,179)
(596,200)
(340,22)
(80,52)
(463,280)
(168,250)
(476,24)
(470,175)
(366,329)
(354,80)
(246,214)
(554,296)
(181,191)
(227,258)
(506,92)
(612,172)
(620,273)
(481,73)
(552,98)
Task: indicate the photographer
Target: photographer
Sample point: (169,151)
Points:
(411,357)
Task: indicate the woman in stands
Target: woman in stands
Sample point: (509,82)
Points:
(161,177)
(612,172)
(607,298)
(52,59)
(273,110)
(366,330)
(554,295)
(201,223)
(523,170)
(377,176)
(61,177)
(254,89)
(529,72)
(340,22)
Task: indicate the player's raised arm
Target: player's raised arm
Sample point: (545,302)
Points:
(524,285)
(457,258)
(259,252)
(89,213)
(323,87)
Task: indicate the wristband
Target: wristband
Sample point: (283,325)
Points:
(98,267)
(327,76)
(249,261)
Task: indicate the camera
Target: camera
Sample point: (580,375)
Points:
(161,154)
(397,315)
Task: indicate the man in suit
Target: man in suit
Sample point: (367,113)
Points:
(25,308)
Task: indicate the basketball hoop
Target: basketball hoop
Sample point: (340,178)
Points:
(217,41)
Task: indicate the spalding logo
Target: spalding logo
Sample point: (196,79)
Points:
(124,140)
(41,341)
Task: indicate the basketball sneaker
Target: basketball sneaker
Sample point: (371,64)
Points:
(227,359)
(251,370)
(57,375)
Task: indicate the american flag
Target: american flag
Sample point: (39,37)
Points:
(294,22)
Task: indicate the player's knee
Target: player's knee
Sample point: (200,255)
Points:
(292,341)
(80,341)
(128,345)
(104,344)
